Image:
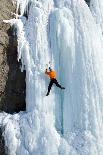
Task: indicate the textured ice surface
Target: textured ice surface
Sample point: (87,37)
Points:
(68,122)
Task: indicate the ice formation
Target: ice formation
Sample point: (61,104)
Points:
(69,34)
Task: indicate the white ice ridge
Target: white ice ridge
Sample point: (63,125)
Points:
(96,7)
(68,122)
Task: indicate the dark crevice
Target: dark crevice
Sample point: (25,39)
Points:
(3,148)
(88,2)
(26,13)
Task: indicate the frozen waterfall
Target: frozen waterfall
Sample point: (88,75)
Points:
(69,34)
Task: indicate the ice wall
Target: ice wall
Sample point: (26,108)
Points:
(66,122)
(96,7)
(76,55)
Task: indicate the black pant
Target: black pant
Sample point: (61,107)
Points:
(51,83)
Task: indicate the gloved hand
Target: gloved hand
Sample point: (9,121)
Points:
(46,70)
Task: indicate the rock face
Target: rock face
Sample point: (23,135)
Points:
(12,81)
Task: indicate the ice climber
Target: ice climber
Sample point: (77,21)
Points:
(52,75)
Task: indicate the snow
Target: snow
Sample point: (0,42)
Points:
(68,122)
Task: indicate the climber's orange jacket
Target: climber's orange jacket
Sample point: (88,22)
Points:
(51,74)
